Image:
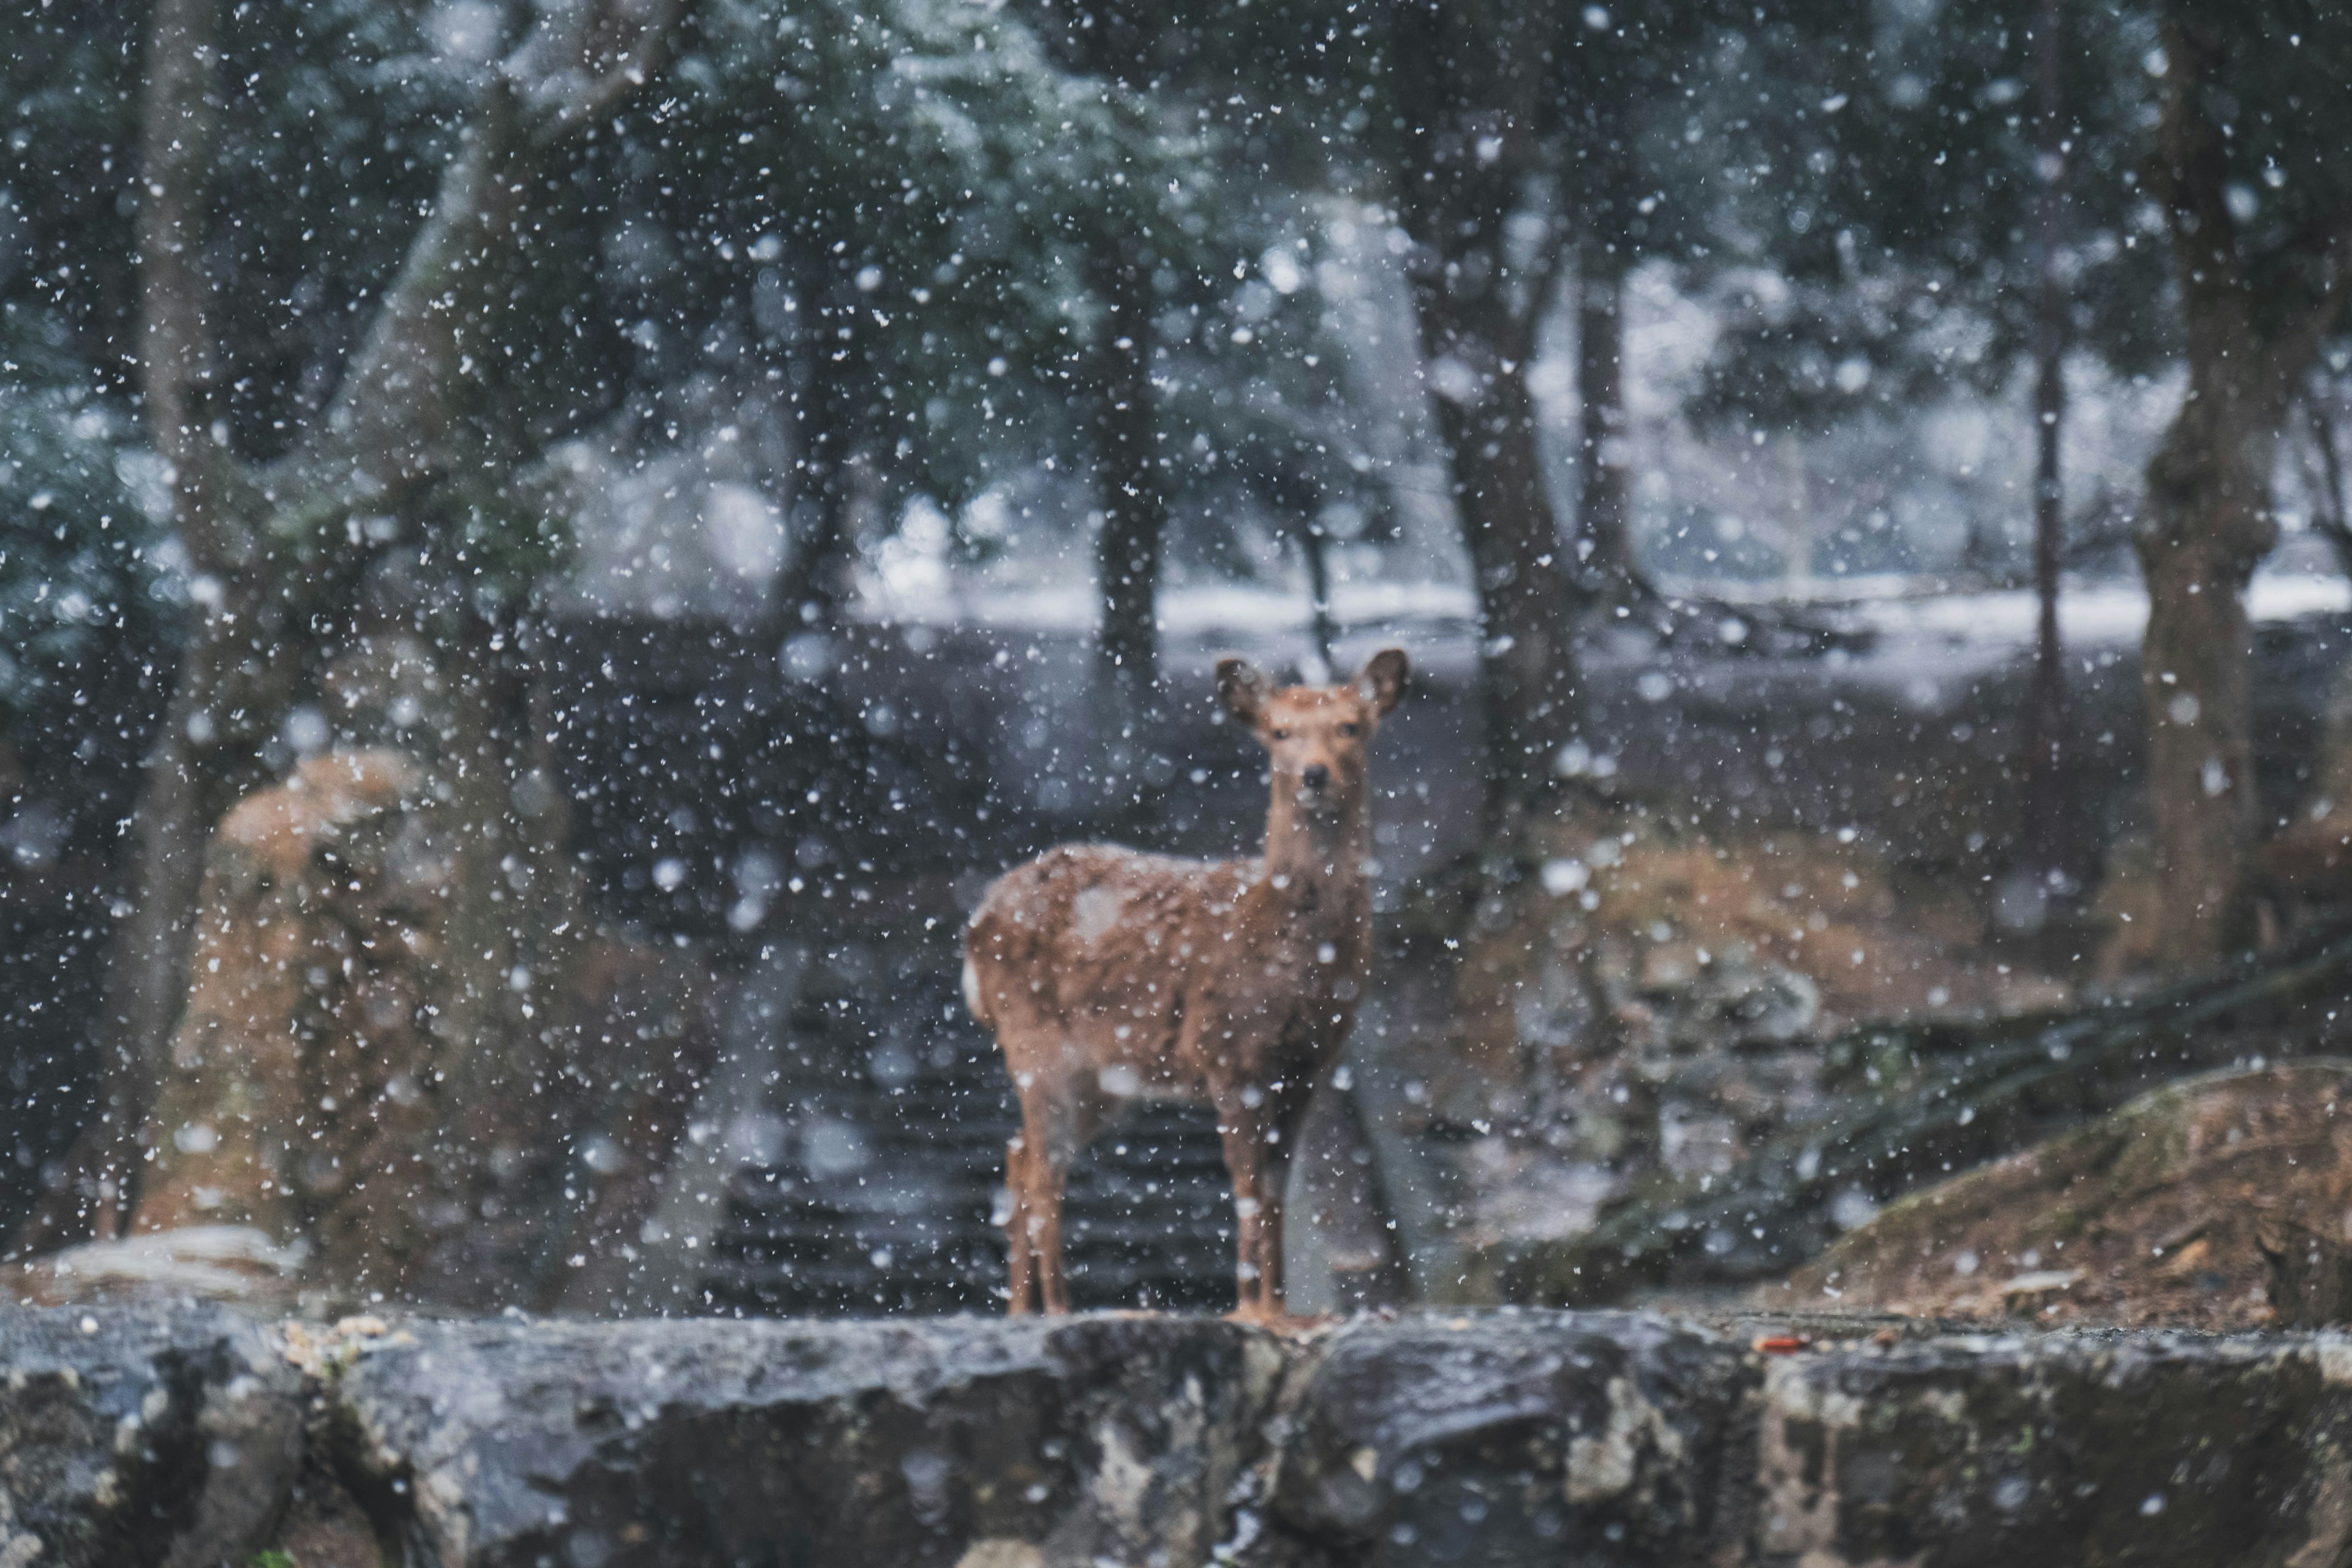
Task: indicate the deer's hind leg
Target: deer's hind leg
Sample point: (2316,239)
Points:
(1021,1255)
(1058,1118)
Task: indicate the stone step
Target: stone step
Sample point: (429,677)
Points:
(1149,1213)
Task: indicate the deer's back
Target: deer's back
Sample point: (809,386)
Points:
(1094,947)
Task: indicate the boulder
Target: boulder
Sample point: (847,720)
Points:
(2219,1202)
(984,1444)
(152,1436)
(1506,1438)
(2057,1451)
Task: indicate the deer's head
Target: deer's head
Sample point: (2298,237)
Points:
(1316,735)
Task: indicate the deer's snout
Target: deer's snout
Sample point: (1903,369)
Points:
(1314,776)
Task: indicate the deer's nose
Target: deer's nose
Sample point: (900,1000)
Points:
(1315,775)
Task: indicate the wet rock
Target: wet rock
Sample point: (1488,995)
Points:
(143,1436)
(2218,1202)
(944,1442)
(1510,1438)
(1674,994)
(2058,1449)
(162,1436)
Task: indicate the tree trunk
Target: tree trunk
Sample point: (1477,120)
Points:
(1314,545)
(181,796)
(199,763)
(1474,90)
(1531,687)
(2207,521)
(1132,493)
(2047,858)
(1605,521)
(2207,526)
(825,421)
(269,550)
(2328,516)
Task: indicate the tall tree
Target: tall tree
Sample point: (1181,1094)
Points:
(1161,215)
(275,546)
(2253,101)
(1475,88)
(1966,211)
(1634,182)
(2045,853)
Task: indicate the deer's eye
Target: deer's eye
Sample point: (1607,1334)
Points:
(1282,734)
(1351,730)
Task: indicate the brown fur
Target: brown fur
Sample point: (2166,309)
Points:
(1110,975)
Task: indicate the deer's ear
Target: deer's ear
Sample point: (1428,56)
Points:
(1381,681)
(1242,689)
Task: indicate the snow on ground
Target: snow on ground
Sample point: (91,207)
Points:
(1902,611)
(2102,615)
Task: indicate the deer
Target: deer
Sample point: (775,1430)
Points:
(1108,974)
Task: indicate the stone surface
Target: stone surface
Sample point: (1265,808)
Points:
(1507,1440)
(946,1441)
(161,1435)
(139,1436)
(2089,1450)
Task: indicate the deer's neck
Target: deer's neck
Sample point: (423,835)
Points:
(1315,861)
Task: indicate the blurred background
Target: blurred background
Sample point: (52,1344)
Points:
(549,552)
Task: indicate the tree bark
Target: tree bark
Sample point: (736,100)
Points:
(1473,91)
(1131,491)
(1604,543)
(179,128)
(2207,521)
(1530,686)
(2046,844)
(825,421)
(269,548)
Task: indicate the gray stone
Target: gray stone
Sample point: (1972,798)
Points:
(2145,1448)
(989,1444)
(142,1435)
(1505,1439)
(137,1435)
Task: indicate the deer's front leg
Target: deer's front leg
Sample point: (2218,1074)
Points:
(1257,1154)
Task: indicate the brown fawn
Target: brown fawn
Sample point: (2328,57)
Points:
(1110,975)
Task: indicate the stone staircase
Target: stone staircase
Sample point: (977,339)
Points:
(895,1110)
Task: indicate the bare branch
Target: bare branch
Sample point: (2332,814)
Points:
(583,62)
(400,408)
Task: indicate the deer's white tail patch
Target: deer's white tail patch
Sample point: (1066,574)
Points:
(972,990)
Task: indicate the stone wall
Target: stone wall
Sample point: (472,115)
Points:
(138,1437)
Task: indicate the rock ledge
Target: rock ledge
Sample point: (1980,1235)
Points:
(137,1435)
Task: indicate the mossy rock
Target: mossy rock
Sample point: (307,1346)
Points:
(2219,1202)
